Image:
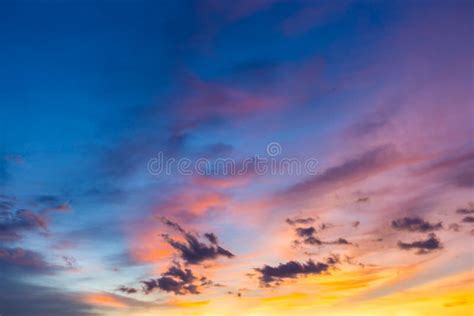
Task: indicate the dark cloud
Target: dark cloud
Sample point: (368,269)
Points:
(362,199)
(324,226)
(23,260)
(305,232)
(340,241)
(468,219)
(423,246)
(333,259)
(311,241)
(273,275)
(296,221)
(70,262)
(465,211)
(127,290)
(172,224)
(307,237)
(176,280)
(316,241)
(211,237)
(193,251)
(179,280)
(23,299)
(415,224)
(13,224)
(17,264)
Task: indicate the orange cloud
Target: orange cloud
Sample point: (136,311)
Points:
(194,203)
(104,299)
(147,246)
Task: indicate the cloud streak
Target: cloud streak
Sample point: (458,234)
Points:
(422,246)
(415,224)
(273,275)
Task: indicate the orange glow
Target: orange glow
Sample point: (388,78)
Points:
(189,304)
(105,300)
(147,246)
(194,203)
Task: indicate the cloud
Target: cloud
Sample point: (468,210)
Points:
(465,211)
(307,237)
(464,178)
(211,237)
(175,280)
(456,169)
(468,219)
(172,224)
(448,163)
(316,241)
(324,226)
(127,290)
(305,232)
(454,227)
(311,241)
(12,224)
(190,204)
(415,224)
(23,299)
(296,220)
(362,199)
(24,260)
(340,241)
(371,162)
(70,262)
(193,251)
(423,246)
(17,297)
(273,275)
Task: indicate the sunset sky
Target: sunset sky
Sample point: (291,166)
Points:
(346,131)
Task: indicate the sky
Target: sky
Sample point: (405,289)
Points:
(250,157)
